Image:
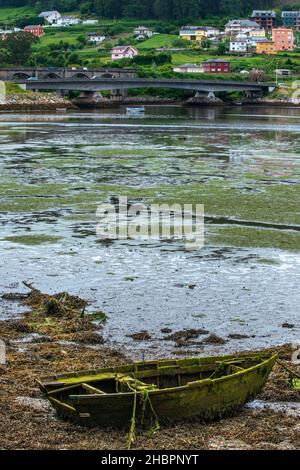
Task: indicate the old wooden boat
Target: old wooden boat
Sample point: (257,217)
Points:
(207,387)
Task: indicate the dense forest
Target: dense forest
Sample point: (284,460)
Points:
(152,9)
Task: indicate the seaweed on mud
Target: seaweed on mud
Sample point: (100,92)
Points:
(186,334)
(239,336)
(140,336)
(14,296)
(186,337)
(61,316)
(60,305)
(214,339)
(288,325)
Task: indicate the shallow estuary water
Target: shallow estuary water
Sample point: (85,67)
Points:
(243,164)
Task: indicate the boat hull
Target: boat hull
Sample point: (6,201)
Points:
(207,399)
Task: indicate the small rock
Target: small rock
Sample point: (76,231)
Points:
(237,336)
(141,336)
(166,330)
(214,339)
(287,325)
(218,443)
(37,404)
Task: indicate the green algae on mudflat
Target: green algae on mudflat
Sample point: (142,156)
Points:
(254,237)
(36,239)
(276,204)
(268,261)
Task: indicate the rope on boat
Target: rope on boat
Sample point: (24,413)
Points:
(292,374)
(131,435)
(144,395)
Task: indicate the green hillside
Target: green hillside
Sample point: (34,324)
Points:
(11,15)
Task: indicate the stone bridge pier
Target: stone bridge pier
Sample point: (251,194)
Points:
(205,98)
(88,98)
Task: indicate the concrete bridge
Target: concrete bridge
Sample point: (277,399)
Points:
(95,84)
(60,73)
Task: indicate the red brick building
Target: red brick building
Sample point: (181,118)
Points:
(216,66)
(36,30)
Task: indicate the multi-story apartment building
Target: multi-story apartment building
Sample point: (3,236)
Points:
(291,19)
(283,39)
(265,18)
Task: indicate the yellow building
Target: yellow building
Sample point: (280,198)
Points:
(197,33)
(265,47)
(257,33)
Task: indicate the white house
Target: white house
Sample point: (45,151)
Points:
(238,45)
(189,68)
(90,21)
(123,52)
(50,16)
(67,21)
(143,32)
(5,32)
(283,72)
(240,26)
(95,38)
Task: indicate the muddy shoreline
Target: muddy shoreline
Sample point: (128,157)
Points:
(70,345)
(40,102)
(45,104)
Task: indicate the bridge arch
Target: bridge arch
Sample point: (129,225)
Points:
(51,75)
(107,75)
(80,75)
(20,76)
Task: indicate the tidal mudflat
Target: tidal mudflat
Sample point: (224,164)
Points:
(242,164)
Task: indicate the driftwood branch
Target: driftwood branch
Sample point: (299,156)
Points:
(295,374)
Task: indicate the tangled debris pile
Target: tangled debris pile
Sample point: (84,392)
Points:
(60,305)
(60,316)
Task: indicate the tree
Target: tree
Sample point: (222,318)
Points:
(180,43)
(28,21)
(221,48)
(206,44)
(74,59)
(19,45)
(82,39)
(5,57)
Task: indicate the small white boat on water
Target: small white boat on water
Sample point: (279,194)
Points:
(135,110)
